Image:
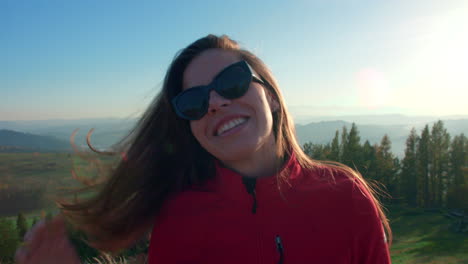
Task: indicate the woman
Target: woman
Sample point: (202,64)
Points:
(215,169)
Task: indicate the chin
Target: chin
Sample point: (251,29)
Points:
(236,151)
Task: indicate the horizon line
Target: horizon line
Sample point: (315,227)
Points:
(294,117)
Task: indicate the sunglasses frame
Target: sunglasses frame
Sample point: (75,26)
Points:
(206,89)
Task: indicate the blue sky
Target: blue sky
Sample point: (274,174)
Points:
(91,59)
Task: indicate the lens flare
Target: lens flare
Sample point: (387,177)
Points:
(373,88)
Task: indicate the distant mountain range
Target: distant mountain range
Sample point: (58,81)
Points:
(54,135)
(385,120)
(13,141)
(107,132)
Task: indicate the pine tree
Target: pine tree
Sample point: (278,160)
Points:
(8,240)
(307,148)
(344,142)
(369,165)
(317,151)
(21,225)
(326,150)
(458,159)
(352,148)
(457,195)
(409,184)
(335,147)
(423,165)
(440,143)
(385,164)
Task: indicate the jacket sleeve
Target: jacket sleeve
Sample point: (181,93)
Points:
(368,236)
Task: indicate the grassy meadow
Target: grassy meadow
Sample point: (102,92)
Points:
(420,236)
(47,170)
(55,172)
(428,237)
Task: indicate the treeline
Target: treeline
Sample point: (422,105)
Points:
(432,173)
(11,235)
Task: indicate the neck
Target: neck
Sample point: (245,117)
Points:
(262,163)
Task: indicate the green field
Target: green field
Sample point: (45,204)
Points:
(47,173)
(48,170)
(420,236)
(52,171)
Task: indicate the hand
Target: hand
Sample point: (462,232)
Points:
(47,243)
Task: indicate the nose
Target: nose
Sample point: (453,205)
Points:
(217,102)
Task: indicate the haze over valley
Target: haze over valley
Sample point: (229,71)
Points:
(54,135)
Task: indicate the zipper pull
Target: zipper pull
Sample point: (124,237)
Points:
(279,247)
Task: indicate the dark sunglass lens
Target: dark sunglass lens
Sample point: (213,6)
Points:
(192,104)
(234,83)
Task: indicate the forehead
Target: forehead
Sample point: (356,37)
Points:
(203,68)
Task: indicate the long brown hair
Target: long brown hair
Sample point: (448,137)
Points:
(163,158)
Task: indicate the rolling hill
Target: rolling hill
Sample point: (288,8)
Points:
(14,141)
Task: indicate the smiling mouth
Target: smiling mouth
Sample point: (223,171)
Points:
(230,125)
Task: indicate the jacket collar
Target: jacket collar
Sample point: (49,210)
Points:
(231,182)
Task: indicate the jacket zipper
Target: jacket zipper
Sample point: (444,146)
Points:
(249,184)
(279,247)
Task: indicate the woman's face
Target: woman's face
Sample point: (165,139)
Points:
(232,129)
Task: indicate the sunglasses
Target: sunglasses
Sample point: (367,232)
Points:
(231,83)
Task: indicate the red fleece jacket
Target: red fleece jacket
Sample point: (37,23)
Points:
(315,219)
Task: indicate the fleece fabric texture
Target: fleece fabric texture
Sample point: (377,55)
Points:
(319,217)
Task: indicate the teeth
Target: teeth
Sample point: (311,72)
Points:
(231,124)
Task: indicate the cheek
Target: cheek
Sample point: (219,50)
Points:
(262,102)
(197,129)
(261,95)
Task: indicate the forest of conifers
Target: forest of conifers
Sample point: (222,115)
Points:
(432,174)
